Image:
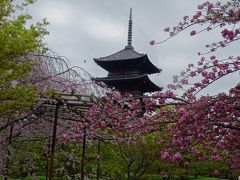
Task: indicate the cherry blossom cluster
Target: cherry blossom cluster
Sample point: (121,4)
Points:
(206,72)
(211,16)
(207,126)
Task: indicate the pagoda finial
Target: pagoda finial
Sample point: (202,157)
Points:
(130,30)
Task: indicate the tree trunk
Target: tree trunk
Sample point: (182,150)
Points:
(8,153)
(54,133)
(83,154)
(98,160)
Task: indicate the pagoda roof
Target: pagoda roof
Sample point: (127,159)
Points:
(126,57)
(123,82)
(126,54)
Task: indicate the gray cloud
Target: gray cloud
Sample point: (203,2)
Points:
(83,30)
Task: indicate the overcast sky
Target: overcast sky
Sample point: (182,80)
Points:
(86,29)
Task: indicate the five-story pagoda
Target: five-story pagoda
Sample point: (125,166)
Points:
(128,69)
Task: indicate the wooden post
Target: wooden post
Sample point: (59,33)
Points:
(98,160)
(50,175)
(83,154)
(48,156)
(8,153)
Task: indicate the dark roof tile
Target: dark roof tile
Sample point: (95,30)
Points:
(126,53)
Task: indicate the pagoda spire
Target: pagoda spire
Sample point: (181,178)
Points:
(128,70)
(130,31)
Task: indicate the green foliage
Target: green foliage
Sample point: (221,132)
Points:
(118,161)
(28,156)
(17,98)
(17,41)
(67,161)
(28,178)
(113,163)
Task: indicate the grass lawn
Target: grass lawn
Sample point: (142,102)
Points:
(26,178)
(152,177)
(156,177)
(204,178)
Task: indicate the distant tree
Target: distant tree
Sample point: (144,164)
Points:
(138,157)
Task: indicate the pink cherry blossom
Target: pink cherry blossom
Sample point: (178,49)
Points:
(165,155)
(177,156)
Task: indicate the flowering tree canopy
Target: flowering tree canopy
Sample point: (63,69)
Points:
(208,126)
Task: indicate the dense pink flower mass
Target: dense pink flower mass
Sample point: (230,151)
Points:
(207,126)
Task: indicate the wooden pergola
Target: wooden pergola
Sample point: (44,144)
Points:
(79,104)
